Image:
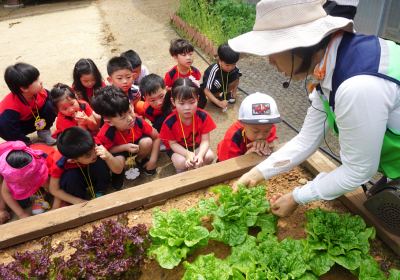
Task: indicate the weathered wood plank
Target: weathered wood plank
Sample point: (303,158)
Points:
(111,204)
(354,200)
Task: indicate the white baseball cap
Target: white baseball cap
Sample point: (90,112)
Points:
(259,108)
(283,25)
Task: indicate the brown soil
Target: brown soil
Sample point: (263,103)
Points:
(55,36)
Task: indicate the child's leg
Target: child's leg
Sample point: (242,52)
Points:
(73,182)
(117,180)
(99,173)
(178,161)
(145,146)
(232,87)
(46,112)
(208,158)
(158,122)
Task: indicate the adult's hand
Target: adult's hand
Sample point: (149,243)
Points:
(283,205)
(249,179)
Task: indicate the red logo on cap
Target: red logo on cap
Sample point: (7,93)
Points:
(261,109)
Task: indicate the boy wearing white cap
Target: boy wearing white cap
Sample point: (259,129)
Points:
(255,130)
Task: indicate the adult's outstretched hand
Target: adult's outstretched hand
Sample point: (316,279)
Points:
(283,205)
(249,179)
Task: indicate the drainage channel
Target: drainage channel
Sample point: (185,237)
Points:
(285,121)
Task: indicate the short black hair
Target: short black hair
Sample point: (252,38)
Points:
(75,142)
(118,63)
(180,46)
(110,101)
(18,159)
(133,58)
(86,67)
(227,55)
(150,84)
(20,75)
(60,92)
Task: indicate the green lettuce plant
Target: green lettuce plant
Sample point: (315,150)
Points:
(237,212)
(175,235)
(207,268)
(335,238)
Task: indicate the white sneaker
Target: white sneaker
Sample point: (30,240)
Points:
(163,148)
(179,171)
(45,135)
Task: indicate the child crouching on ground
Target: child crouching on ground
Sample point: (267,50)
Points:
(80,162)
(124,133)
(24,170)
(71,111)
(27,108)
(222,77)
(255,130)
(153,90)
(186,131)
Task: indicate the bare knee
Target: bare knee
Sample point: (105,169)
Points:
(178,161)
(209,157)
(145,144)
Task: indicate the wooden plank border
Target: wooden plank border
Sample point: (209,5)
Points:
(150,193)
(354,200)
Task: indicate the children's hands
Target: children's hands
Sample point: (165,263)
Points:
(260,147)
(198,161)
(223,103)
(103,153)
(24,215)
(190,161)
(150,165)
(4,216)
(81,118)
(132,148)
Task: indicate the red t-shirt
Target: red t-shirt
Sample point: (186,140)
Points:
(233,144)
(110,136)
(150,112)
(172,130)
(60,163)
(89,91)
(48,153)
(63,122)
(174,74)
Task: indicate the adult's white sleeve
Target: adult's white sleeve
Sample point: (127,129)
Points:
(363,105)
(303,145)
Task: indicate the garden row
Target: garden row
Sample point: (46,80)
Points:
(114,250)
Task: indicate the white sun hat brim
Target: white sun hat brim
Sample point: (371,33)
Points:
(267,42)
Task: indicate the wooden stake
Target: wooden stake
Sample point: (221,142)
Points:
(171,17)
(204,43)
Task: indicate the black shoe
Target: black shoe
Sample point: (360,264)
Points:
(117,181)
(141,166)
(219,98)
(230,99)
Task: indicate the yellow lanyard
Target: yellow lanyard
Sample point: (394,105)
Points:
(87,182)
(226,85)
(245,139)
(184,138)
(37,112)
(190,70)
(39,194)
(133,142)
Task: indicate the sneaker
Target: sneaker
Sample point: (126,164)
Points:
(65,204)
(36,209)
(178,171)
(97,195)
(230,99)
(163,148)
(141,166)
(45,136)
(117,181)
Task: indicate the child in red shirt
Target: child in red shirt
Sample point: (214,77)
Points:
(124,133)
(71,111)
(255,130)
(153,90)
(182,52)
(186,131)
(27,108)
(87,80)
(80,162)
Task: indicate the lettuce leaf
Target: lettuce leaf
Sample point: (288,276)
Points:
(335,238)
(175,235)
(237,212)
(207,268)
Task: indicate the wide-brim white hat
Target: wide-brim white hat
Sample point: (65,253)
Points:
(283,25)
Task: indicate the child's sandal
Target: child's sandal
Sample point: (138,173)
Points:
(141,166)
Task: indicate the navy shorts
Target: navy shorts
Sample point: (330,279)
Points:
(170,152)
